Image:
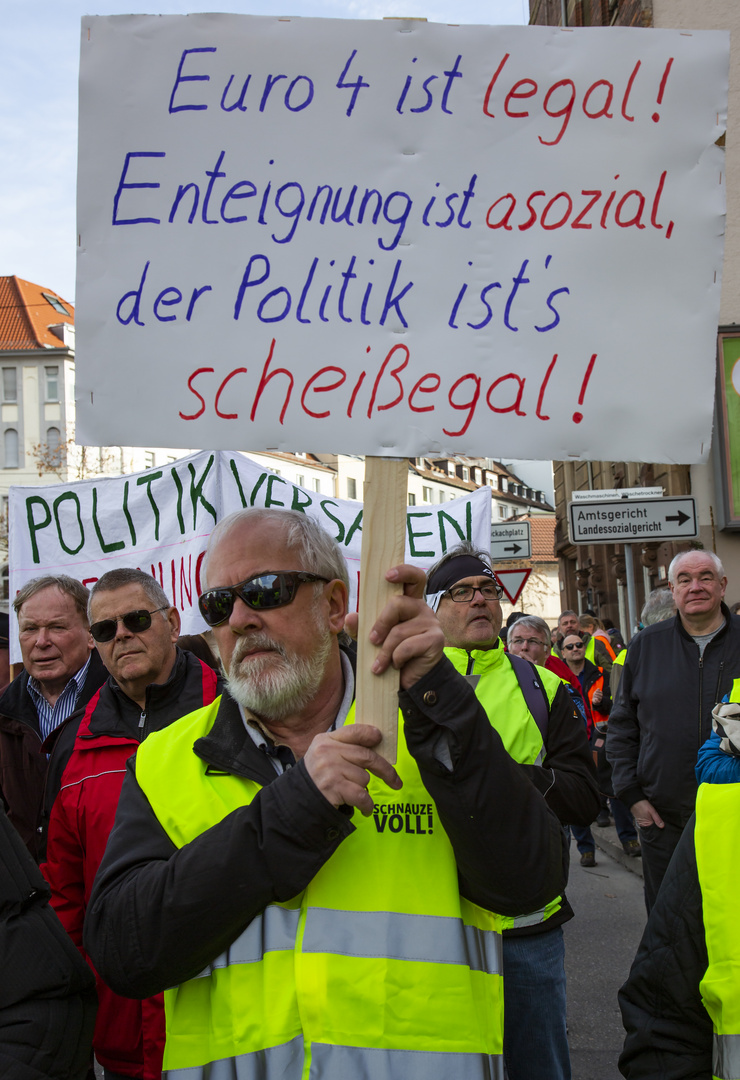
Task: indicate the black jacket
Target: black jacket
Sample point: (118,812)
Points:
(158,914)
(23,766)
(47,991)
(663,713)
(669,1033)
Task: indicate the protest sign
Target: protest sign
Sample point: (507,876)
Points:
(399,238)
(160,520)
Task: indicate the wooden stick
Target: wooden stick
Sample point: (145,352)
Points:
(383,546)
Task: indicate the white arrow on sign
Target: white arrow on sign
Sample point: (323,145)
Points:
(513,582)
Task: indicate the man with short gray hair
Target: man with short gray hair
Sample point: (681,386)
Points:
(675,672)
(61,672)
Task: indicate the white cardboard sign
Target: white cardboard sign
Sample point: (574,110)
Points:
(399,238)
(160,520)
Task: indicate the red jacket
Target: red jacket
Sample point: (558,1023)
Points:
(129,1034)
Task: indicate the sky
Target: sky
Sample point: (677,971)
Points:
(38,117)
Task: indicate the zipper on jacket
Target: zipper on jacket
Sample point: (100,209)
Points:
(701,694)
(142,722)
(471,664)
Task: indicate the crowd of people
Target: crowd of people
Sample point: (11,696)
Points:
(211,871)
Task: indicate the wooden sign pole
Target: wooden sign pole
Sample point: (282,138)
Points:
(383,546)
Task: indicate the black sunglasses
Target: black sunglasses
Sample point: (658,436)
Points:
(574,646)
(135,621)
(271,590)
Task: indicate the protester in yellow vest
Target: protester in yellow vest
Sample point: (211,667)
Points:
(599,649)
(294,936)
(681,1003)
(544,733)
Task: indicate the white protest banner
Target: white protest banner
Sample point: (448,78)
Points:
(399,238)
(160,521)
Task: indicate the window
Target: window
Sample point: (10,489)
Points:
(53,443)
(52,383)
(10,384)
(465,472)
(412,499)
(426,494)
(56,303)
(300,480)
(11,448)
(442,496)
(149,459)
(317,485)
(503,511)
(351,488)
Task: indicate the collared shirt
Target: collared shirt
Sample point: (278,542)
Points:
(51,716)
(282,756)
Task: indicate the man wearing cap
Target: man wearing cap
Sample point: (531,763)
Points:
(533,713)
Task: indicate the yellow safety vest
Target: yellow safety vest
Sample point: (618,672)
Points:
(717,842)
(590,652)
(378,968)
(497,689)
(620,658)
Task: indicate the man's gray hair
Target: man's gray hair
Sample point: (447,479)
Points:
(465,547)
(69,585)
(714,559)
(533,622)
(129,575)
(659,605)
(317,551)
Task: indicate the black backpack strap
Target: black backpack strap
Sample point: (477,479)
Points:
(534,692)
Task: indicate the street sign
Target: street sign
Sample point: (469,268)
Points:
(617,493)
(629,521)
(513,582)
(511,540)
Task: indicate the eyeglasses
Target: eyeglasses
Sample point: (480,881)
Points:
(527,641)
(575,645)
(263,592)
(136,622)
(462,594)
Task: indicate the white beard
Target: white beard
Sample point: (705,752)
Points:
(281,683)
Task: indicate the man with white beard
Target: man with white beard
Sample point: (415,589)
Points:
(284,928)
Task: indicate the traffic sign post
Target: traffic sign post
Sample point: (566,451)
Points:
(511,540)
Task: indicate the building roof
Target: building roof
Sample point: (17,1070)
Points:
(26,313)
(543,536)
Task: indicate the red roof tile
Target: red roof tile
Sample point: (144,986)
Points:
(26,315)
(543,536)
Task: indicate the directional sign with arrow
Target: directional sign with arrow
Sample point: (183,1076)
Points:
(625,521)
(511,540)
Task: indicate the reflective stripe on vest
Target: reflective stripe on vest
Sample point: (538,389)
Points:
(378,960)
(717,843)
(343,1063)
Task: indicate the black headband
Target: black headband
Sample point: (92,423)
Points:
(455,570)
